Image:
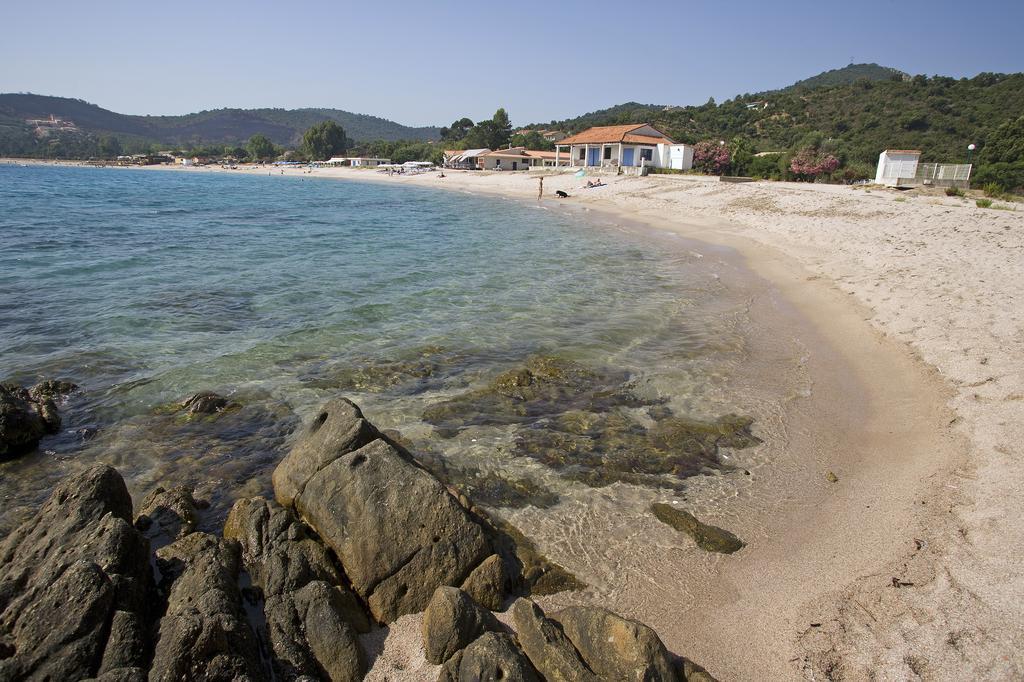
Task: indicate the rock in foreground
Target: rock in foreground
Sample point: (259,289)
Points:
(398,532)
(709,538)
(75,585)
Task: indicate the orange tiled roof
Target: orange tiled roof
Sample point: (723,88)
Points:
(602,134)
(644,139)
(537,154)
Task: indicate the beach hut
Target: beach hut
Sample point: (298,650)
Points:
(896,164)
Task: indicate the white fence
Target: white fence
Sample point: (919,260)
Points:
(929,173)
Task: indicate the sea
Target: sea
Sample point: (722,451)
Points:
(280,293)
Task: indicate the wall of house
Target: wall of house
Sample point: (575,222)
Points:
(491,162)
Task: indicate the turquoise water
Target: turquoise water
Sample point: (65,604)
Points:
(144,287)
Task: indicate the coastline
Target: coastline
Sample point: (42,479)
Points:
(938,399)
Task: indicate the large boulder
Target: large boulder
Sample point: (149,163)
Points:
(617,648)
(312,623)
(488,583)
(494,657)
(547,647)
(76,585)
(26,415)
(453,620)
(204,634)
(398,532)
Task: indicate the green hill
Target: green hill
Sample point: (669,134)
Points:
(220,126)
(855,120)
(847,75)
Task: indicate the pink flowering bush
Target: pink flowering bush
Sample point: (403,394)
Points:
(711,157)
(809,164)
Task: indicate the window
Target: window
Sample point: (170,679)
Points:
(607,153)
(583,153)
(646,154)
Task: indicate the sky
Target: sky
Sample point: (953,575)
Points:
(430,63)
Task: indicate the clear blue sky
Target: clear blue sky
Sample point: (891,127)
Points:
(428,63)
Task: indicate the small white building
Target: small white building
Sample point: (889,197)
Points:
(895,165)
(366,162)
(624,146)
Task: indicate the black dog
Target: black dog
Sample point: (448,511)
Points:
(561,195)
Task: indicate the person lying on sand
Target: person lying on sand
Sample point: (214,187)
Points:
(596,183)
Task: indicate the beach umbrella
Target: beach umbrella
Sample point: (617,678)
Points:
(580,173)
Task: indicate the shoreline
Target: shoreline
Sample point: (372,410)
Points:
(830,554)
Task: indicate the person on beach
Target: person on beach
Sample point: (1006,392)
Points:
(540,189)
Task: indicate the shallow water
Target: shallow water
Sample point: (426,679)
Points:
(282,292)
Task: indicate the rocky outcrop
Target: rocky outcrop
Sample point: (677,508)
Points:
(616,648)
(75,584)
(26,415)
(494,657)
(489,583)
(398,532)
(453,620)
(312,622)
(204,634)
(709,538)
(547,646)
(167,515)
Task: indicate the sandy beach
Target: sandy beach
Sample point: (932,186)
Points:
(911,307)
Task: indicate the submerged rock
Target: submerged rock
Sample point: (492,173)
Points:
(545,386)
(577,421)
(27,415)
(75,585)
(616,648)
(491,489)
(451,621)
(709,538)
(406,373)
(205,402)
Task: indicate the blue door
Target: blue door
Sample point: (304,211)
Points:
(627,156)
(593,157)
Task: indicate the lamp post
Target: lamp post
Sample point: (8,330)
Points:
(970,150)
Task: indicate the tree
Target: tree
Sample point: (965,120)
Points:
(457,130)
(324,140)
(260,148)
(531,139)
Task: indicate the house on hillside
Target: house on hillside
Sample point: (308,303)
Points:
(624,146)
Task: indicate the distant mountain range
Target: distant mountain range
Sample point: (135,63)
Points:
(219,126)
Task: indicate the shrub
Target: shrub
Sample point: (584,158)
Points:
(984,203)
(954,192)
(711,157)
(808,163)
(1008,176)
(993,190)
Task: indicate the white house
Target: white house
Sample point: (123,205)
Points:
(895,165)
(624,146)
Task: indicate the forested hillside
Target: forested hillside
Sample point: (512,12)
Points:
(937,115)
(221,126)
